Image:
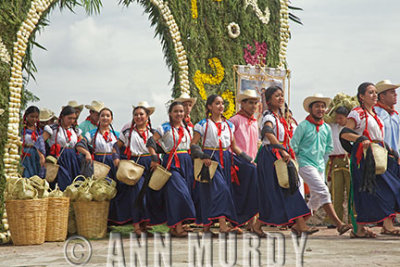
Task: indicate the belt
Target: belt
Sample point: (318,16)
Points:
(178,152)
(103,153)
(214,149)
(338,156)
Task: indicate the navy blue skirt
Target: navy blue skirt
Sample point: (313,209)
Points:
(176,192)
(215,198)
(276,205)
(69,168)
(122,206)
(31,162)
(384,202)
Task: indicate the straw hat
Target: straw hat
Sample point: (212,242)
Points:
(75,105)
(1,111)
(95,106)
(384,85)
(315,98)
(186,97)
(248,94)
(46,114)
(146,106)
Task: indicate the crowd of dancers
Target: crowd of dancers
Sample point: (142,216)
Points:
(245,189)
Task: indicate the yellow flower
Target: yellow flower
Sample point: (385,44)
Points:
(228,96)
(194,9)
(200,78)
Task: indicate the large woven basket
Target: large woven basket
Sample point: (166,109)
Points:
(57,219)
(91,218)
(27,220)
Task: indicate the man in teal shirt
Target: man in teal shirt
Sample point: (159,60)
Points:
(93,119)
(311,141)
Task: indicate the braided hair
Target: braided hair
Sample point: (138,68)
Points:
(98,127)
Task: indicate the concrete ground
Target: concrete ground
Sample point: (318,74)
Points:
(324,248)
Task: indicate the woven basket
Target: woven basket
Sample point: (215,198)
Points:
(27,220)
(57,219)
(51,171)
(91,218)
(159,178)
(100,170)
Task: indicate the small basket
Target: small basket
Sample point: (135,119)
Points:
(100,170)
(51,171)
(159,178)
(198,165)
(380,156)
(27,220)
(57,219)
(129,172)
(91,218)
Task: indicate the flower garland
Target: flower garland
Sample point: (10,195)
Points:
(264,17)
(178,46)
(4,55)
(11,150)
(233,30)
(228,96)
(284,32)
(195,14)
(259,56)
(200,78)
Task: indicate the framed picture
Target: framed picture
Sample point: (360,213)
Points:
(258,79)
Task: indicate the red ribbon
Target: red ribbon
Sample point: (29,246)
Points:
(181,133)
(234,175)
(142,134)
(250,119)
(189,122)
(221,152)
(287,135)
(316,123)
(388,109)
(34,136)
(107,137)
(69,134)
(55,149)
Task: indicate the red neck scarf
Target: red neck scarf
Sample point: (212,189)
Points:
(92,122)
(188,121)
(250,119)
(388,109)
(287,135)
(316,123)
(107,136)
(181,134)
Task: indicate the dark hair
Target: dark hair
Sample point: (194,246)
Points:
(270,91)
(30,110)
(67,110)
(112,114)
(98,128)
(148,116)
(342,110)
(362,88)
(209,102)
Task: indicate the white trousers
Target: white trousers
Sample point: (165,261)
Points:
(319,191)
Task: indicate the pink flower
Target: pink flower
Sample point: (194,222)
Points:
(257,55)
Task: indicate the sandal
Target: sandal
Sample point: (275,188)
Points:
(367,234)
(236,230)
(344,228)
(138,232)
(174,233)
(260,233)
(187,228)
(309,231)
(394,232)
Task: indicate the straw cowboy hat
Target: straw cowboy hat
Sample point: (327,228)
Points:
(248,94)
(95,106)
(186,97)
(46,114)
(384,85)
(146,106)
(1,111)
(315,98)
(75,105)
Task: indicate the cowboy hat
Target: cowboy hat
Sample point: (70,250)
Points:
(46,114)
(248,94)
(186,97)
(146,106)
(1,111)
(384,85)
(75,105)
(95,106)
(315,98)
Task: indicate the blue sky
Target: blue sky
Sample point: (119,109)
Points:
(115,58)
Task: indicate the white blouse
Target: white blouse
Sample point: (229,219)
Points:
(211,138)
(101,145)
(28,137)
(269,117)
(62,136)
(358,116)
(168,134)
(138,144)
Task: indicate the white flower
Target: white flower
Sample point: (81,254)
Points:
(233,30)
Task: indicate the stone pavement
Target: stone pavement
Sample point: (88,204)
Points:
(324,248)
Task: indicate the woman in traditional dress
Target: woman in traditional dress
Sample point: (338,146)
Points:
(175,137)
(278,206)
(215,197)
(131,145)
(62,140)
(376,197)
(33,149)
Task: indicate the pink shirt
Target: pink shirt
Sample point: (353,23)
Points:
(246,134)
